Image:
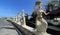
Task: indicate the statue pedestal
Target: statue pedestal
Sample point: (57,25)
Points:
(23,24)
(19,23)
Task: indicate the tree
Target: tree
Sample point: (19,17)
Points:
(53,5)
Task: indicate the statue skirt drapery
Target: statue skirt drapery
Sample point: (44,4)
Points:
(41,25)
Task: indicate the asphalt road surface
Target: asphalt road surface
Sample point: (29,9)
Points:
(6,28)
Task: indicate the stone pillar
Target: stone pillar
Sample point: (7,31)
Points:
(23,18)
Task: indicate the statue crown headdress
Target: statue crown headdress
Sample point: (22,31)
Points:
(38,2)
(38,5)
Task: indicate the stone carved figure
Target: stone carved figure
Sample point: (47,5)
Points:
(41,24)
(23,18)
(18,18)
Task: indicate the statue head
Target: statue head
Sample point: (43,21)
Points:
(38,4)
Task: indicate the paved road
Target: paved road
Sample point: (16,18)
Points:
(6,28)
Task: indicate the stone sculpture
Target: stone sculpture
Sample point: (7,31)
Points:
(23,18)
(41,24)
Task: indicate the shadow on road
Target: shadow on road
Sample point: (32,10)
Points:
(9,28)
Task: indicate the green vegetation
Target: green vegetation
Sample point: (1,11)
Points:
(53,5)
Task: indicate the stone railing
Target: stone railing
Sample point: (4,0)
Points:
(41,25)
(26,29)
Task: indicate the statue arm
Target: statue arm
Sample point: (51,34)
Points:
(46,13)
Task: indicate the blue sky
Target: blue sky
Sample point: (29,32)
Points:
(9,8)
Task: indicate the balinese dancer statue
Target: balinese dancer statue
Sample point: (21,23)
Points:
(41,24)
